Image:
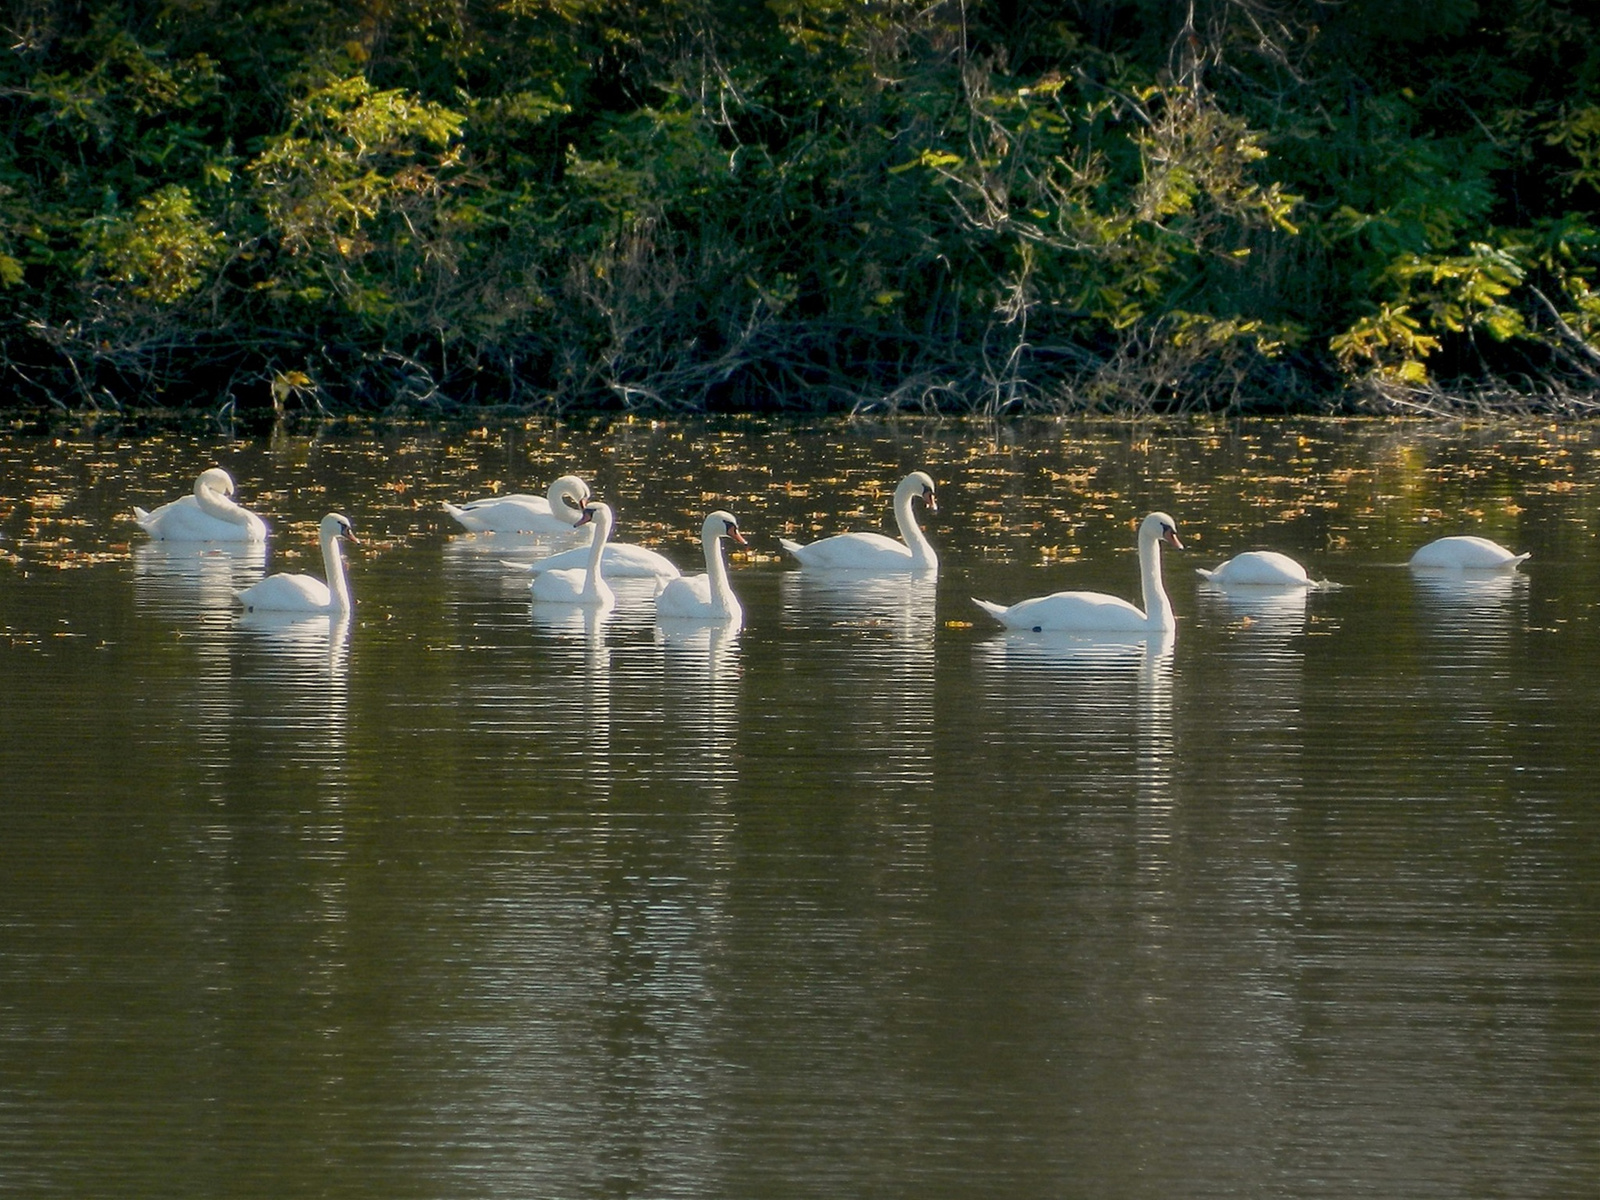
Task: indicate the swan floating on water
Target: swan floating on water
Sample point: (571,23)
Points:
(621,560)
(1466,553)
(586,586)
(209,515)
(1096,612)
(708,597)
(303,593)
(1259,568)
(874,551)
(555,512)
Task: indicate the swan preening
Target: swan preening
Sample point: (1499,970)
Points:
(874,551)
(1259,568)
(1096,612)
(1466,553)
(555,512)
(302,593)
(209,515)
(708,597)
(586,586)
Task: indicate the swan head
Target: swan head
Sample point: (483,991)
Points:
(336,526)
(1158,527)
(595,513)
(722,524)
(214,479)
(918,486)
(567,497)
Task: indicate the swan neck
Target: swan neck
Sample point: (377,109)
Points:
(1157,607)
(215,504)
(922,555)
(717,573)
(333,565)
(597,549)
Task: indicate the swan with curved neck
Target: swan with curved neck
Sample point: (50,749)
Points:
(1096,612)
(208,515)
(1466,553)
(304,593)
(1258,568)
(557,511)
(874,551)
(586,587)
(707,597)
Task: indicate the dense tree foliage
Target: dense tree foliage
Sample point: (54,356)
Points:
(1000,205)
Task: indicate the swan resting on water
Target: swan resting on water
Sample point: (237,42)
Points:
(1466,553)
(874,551)
(208,515)
(1096,612)
(708,597)
(585,587)
(555,512)
(1259,568)
(284,592)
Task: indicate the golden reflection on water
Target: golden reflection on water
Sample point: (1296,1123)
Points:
(484,893)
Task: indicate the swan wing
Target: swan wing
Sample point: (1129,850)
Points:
(1260,568)
(516,513)
(685,596)
(1467,553)
(286,593)
(1088,612)
(852,551)
(619,560)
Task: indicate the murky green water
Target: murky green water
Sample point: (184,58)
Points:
(867,900)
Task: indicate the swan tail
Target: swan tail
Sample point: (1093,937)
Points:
(997,611)
(525,568)
(793,547)
(1519,560)
(454,510)
(1204,574)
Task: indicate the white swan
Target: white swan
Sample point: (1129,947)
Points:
(1466,554)
(209,515)
(705,597)
(1095,612)
(522,513)
(302,593)
(874,551)
(585,587)
(621,560)
(1258,568)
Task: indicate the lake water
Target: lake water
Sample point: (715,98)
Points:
(870,899)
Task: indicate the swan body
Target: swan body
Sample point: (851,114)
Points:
(621,560)
(287,593)
(1466,554)
(521,513)
(874,551)
(707,597)
(1095,612)
(1259,568)
(209,515)
(586,586)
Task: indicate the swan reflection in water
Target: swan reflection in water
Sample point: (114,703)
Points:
(874,648)
(580,655)
(194,579)
(1100,703)
(1470,618)
(701,677)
